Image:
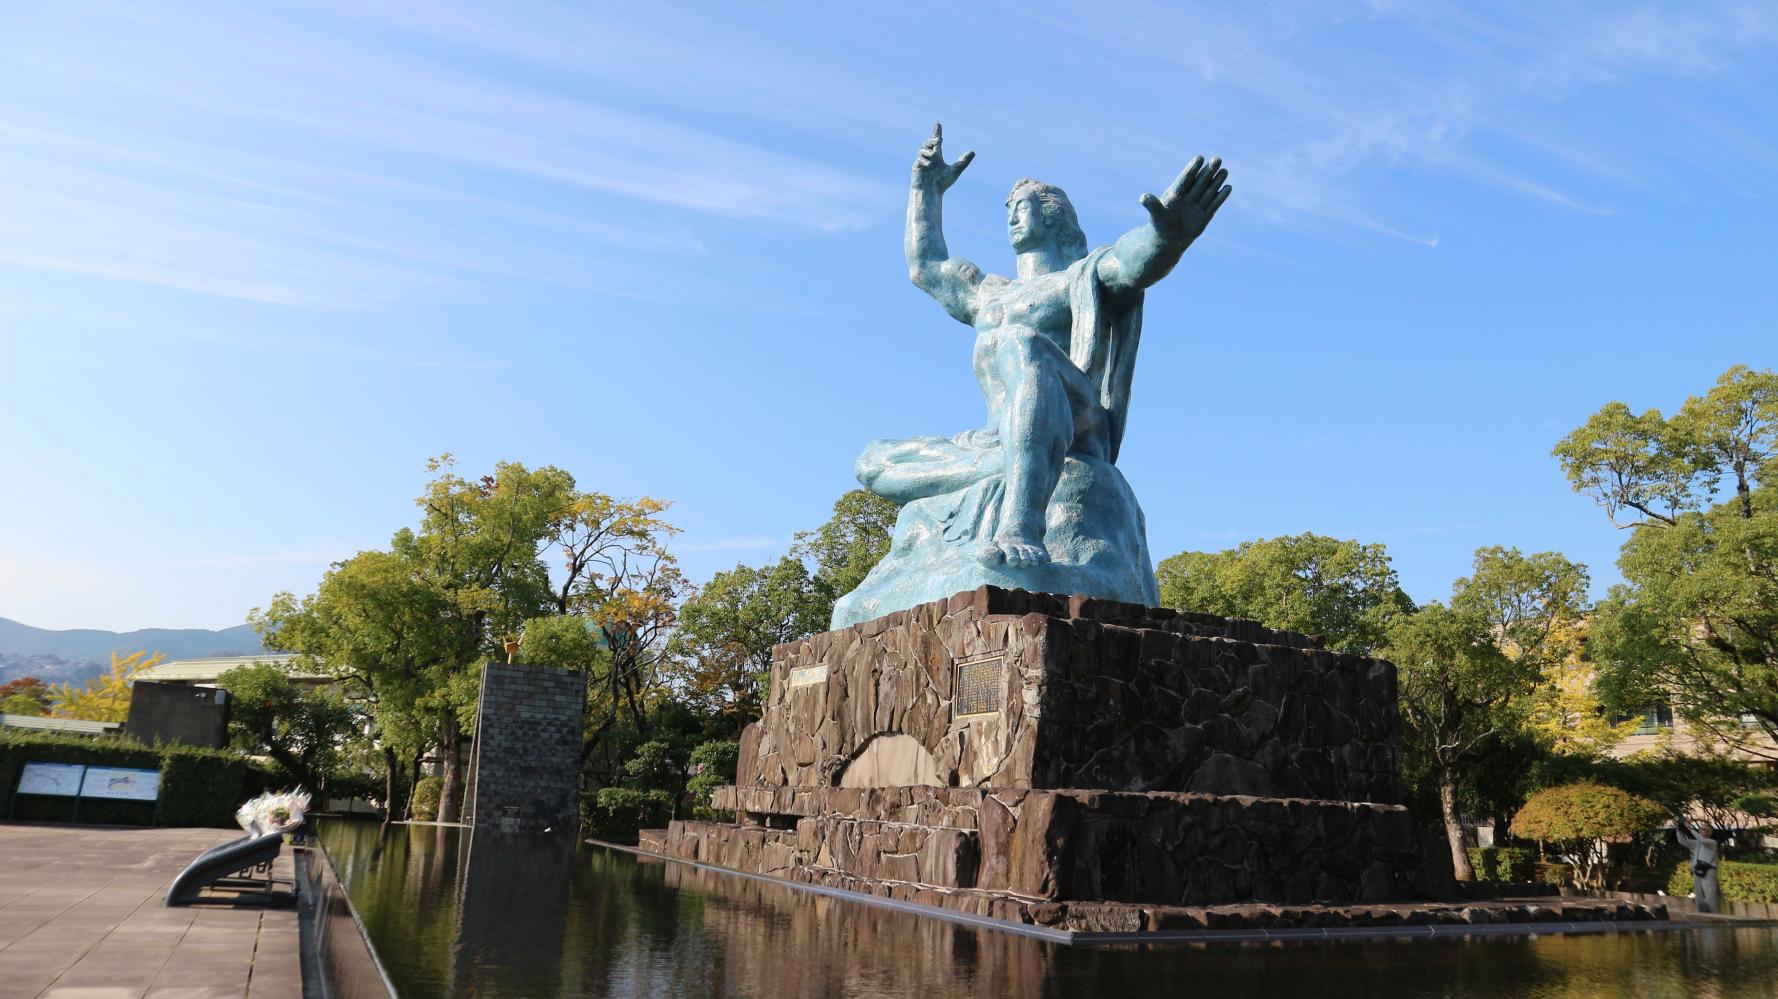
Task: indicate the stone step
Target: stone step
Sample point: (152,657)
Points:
(771,851)
(1157,847)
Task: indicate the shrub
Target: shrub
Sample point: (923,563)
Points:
(1575,819)
(1549,873)
(1502,863)
(199,787)
(716,762)
(1741,882)
(620,811)
(425,801)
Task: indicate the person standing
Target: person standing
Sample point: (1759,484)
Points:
(1706,891)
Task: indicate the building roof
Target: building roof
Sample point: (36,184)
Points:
(48,724)
(208,670)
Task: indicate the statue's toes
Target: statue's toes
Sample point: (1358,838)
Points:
(990,554)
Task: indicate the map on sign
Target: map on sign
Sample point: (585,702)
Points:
(59,779)
(128,785)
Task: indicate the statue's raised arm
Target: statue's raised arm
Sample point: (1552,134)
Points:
(950,280)
(1175,219)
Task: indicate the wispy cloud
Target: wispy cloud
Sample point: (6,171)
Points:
(346,155)
(253,155)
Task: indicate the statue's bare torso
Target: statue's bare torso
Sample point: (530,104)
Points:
(1027,308)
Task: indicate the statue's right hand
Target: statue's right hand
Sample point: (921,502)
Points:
(930,169)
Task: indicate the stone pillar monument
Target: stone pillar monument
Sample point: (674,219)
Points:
(525,774)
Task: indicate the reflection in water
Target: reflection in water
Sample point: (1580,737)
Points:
(510,917)
(512,913)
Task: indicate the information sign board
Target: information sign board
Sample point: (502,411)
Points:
(126,785)
(59,779)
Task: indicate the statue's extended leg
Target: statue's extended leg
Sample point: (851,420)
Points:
(1036,428)
(917,467)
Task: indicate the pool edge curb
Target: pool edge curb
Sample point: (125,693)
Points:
(1187,937)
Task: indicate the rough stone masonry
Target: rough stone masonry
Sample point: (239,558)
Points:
(527,749)
(1040,750)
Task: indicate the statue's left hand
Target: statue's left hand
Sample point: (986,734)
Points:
(1182,213)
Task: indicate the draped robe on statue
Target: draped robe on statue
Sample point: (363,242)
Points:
(951,488)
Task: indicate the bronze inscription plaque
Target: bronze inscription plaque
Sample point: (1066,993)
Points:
(977,686)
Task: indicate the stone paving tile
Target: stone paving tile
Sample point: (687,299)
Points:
(84,918)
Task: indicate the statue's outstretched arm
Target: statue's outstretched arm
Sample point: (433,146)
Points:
(950,280)
(1146,253)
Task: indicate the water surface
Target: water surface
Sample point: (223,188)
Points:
(452,913)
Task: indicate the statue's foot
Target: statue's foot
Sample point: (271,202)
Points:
(1013,548)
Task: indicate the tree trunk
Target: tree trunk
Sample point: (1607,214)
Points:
(450,792)
(413,781)
(1447,801)
(390,806)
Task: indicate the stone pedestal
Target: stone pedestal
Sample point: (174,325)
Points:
(1072,763)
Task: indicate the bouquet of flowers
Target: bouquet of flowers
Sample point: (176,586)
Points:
(273,812)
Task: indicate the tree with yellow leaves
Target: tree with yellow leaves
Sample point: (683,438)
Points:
(105,697)
(1567,714)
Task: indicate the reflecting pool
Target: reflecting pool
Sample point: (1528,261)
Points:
(455,914)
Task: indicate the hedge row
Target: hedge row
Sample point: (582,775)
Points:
(199,787)
(1740,881)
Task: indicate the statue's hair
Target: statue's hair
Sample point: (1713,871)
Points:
(1058,215)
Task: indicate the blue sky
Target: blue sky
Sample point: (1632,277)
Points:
(259,261)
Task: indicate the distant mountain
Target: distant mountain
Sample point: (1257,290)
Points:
(79,653)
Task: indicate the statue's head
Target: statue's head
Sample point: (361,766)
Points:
(1037,213)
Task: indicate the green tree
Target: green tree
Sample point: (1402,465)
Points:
(1696,619)
(1459,694)
(304,729)
(416,623)
(614,609)
(849,545)
(727,631)
(1344,591)
(371,623)
(1477,677)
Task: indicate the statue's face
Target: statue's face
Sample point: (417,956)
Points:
(1025,223)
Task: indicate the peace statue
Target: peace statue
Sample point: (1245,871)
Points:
(1033,499)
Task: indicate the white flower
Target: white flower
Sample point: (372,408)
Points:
(273,812)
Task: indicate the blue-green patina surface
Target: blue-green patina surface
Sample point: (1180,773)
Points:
(1033,499)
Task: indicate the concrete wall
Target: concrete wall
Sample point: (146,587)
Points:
(177,712)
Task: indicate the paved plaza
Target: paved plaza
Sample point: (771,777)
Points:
(81,916)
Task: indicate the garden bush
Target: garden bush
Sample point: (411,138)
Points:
(1502,863)
(715,761)
(1547,872)
(199,787)
(426,795)
(1575,820)
(620,811)
(1741,882)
